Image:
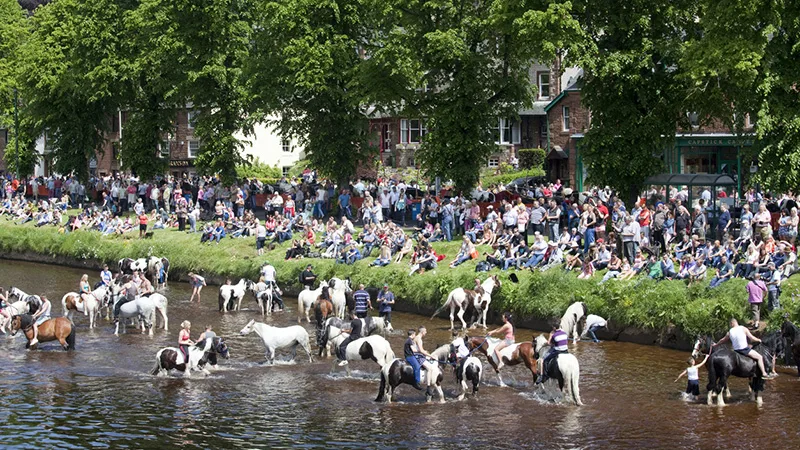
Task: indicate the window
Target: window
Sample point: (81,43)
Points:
(191,119)
(115,150)
(544,86)
(285,170)
(163,149)
(387,139)
(565,111)
(543,132)
(412,131)
(507,132)
(494,161)
(750,121)
(194,148)
(286,146)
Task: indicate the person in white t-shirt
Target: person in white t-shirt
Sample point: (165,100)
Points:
(593,323)
(693,386)
(739,337)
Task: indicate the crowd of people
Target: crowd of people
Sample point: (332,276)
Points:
(660,235)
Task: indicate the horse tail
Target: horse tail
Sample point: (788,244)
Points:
(318,314)
(71,337)
(157,366)
(574,378)
(441,308)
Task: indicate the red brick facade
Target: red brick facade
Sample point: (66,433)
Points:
(579,118)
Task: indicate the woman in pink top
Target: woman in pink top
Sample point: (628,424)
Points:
(184,339)
(507,330)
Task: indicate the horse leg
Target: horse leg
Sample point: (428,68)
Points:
(728,391)
(294,352)
(452,316)
(500,379)
(461,318)
(349,372)
(710,399)
(759,401)
(723,384)
(463,390)
(299,309)
(441,393)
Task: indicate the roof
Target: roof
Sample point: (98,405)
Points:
(691,179)
(538,109)
(557,153)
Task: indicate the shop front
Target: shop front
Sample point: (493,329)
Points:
(707,154)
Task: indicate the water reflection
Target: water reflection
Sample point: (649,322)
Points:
(101,395)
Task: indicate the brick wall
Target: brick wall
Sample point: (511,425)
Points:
(578,123)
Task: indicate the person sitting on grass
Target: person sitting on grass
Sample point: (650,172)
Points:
(724,273)
(466,253)
(385,256)
(698,272)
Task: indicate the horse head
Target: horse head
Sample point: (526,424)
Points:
(15,292)
(220,347)
(21,322)
(248,328)
(702,346)
(788,329)
(538,344)
(774,344)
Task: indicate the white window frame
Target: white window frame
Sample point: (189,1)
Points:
(191,117)
(407,127)
(565,125)
(193,153)
(506,127)
(544,94)
(493,162)
(163,150)
(285,170)
(286,146)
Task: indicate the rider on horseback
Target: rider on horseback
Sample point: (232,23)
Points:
(507,330)
(41,316)
(105,276)
(558,340)
(739,337)
(129,293)
(184,340)
(411,356)
(355,333)
(84,288)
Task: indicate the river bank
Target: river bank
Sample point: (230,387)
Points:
(644,311)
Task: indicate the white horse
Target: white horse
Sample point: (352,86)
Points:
(575,314)
(275,338)
(25,304)
(200,354)
(230,296)
(339,290)
(14,309)
(376,325)
(143,308)
(482,304)
(462,299)
(568,374)
(374,347)
(306,299)
(469,369)
(72,302)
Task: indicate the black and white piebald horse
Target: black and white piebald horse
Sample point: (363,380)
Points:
(25,304)
(158,271)
(791,334)
(230,296)
(201,354)
(564,368)
(398,372)
(723,363)
(375,348)
(127,265)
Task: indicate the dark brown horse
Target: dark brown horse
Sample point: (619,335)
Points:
(60,329)
(323,307)
(523,353)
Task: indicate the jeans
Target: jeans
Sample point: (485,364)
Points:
(588,239)
(414,362)
(447,228)
(368,249)
(509,262)
(380,262)
(461,259)
(609,275)
(318,211)
(773,300)
(553,227)
(534,261)
(387,316)
(192,224)
(591,331)
(716,281)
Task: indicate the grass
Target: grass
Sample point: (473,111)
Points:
(640,303)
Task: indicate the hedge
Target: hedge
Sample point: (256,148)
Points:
(506,178)
(641,303)
(531,158)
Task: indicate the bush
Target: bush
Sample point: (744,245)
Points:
(506,178)
(640,303)
(257,169)
(531,158)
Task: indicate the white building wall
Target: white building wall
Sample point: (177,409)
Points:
(38,171)
(270,148)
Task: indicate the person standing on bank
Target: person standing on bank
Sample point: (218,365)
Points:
(385,302)
(362,302)
(755,293)
(308,277)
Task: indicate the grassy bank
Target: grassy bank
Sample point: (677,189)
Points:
(640,303)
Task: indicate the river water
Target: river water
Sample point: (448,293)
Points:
(101,395)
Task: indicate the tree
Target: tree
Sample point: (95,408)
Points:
(463,66)
(634,86)
(307,69)
(69,74)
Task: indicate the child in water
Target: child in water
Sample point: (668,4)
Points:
(693,387)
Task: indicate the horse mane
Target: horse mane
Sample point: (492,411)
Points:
(25,321)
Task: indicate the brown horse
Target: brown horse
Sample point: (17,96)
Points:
(60,329)
(323,308)
(522,353)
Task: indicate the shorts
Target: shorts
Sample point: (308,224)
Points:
(744,351)
(693,387)
(42,319)
(260,243)
(508,341)
(143,227)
